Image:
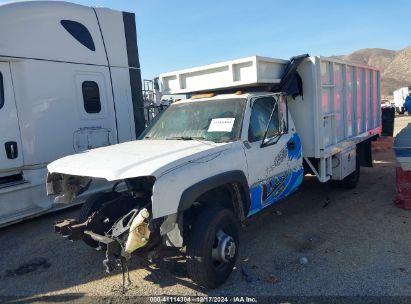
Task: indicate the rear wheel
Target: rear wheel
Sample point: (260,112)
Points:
(91,205)
(212,248)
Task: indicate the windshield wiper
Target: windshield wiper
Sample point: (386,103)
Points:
(186,138)
(198,138)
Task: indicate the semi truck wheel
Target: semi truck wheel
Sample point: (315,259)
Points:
(212,248)
(92,204)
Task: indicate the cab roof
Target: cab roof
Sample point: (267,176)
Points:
(227,96)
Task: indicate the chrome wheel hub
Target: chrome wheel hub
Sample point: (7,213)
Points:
(225,248)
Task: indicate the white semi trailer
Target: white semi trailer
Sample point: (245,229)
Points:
(399,98)
(209,162)
(69,81)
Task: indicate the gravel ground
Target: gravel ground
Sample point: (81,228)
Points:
(359,244)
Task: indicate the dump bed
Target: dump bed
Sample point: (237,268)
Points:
(340,105)
(245,72)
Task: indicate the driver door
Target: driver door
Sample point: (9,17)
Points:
(11,154)
(275,166)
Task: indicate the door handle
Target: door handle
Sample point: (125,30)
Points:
(291,145)
(11,149)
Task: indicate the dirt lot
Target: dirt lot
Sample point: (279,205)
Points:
(359,244)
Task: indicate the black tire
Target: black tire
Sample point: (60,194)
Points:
(92,204)
(201,267)
(351,181)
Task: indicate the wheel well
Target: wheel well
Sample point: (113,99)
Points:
(231,196)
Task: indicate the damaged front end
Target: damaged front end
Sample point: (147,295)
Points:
(66,187)
(119,221)
(128,234)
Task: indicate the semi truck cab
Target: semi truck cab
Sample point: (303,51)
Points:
(69,82)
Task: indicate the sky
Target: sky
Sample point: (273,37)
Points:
(177,34)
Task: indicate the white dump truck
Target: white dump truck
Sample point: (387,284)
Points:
(243,143)
(69,81)
(399,98)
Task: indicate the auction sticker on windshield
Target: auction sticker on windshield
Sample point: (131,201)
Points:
(221,125)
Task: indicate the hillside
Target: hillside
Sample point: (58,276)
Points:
(395,66)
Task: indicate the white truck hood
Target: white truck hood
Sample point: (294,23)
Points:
(135,158)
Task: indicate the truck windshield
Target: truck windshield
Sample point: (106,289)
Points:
(211,120)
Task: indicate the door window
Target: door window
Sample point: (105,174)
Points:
(91,97)
(1,91)
(260,115)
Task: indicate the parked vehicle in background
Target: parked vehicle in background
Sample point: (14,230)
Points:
(69,82)
(399,98)
(209,162)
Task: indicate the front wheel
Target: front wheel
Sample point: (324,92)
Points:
(212,248)
(93,203)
